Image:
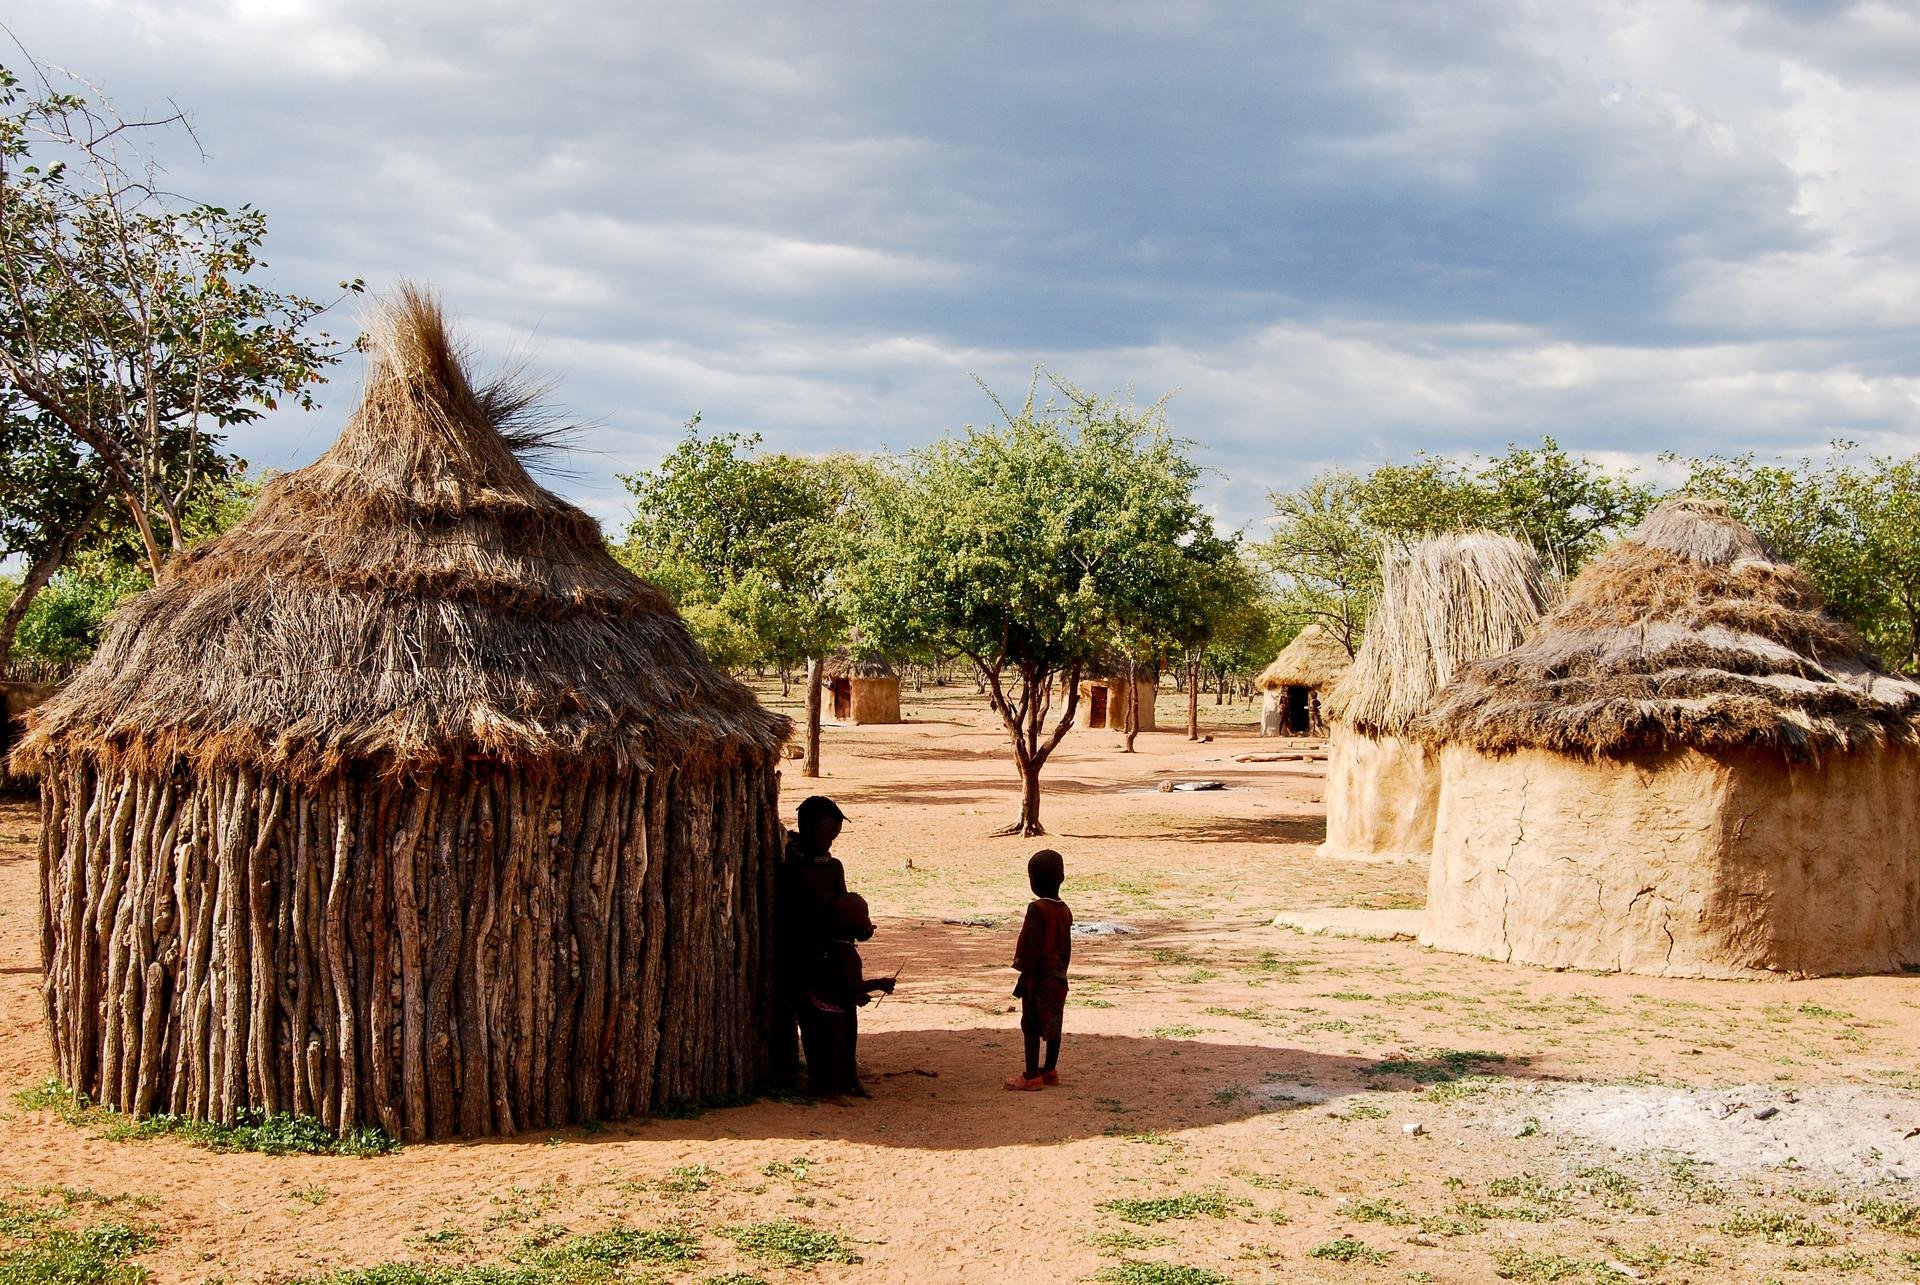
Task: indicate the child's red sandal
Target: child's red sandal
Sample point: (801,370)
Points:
(1021,1084)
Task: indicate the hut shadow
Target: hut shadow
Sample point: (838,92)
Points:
(941,1090)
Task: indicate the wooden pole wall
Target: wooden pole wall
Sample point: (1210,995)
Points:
(475,953)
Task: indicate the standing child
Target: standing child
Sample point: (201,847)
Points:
(836,990)
(1046,944)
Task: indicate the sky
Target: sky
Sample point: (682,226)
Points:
(1338,234)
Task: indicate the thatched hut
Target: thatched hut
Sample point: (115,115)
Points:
(863,688)
(1688,769)
(1449,600)
(1293,684)
(403,804)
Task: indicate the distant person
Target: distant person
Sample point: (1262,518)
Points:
(1045,946)
(836,990)
(810,877)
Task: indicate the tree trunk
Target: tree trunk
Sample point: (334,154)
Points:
(1130,716)
(1193,700)
(1030,801)
(810,766)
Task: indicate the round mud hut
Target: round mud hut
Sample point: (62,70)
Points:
(1687,770)
(402,804)
(1445,602)
(862,689)
(1294,683)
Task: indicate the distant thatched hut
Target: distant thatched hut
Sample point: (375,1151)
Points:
(863,688)
(1294,682)
(1688,769)
(1446,602)
(403,804)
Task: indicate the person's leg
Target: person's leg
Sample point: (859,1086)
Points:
(1053,1056)
(1033,1053)
(849,1067)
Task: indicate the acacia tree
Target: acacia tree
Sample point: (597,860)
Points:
(747,546)
(1024,547)
(132,336)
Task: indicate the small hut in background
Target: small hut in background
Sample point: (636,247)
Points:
(863,688)
(1688,770)
(1103,702)
(1446,602)
(403,804)
(1294,683)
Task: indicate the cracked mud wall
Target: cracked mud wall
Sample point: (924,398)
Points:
(1683,865)
(875,700)
(1382,796)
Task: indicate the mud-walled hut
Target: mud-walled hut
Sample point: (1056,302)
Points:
(1104,700)
(1445,602)
(1293,686)
(861,689)
(1688,770)
(403,804)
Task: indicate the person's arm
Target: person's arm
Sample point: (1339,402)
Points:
(1032,935)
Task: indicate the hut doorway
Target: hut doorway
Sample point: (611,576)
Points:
(842,689)
(1299,711)
(1096,706)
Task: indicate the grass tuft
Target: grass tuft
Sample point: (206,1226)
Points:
(789,1244)
(1160,1209)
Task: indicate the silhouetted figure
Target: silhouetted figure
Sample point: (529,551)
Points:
(835,992)
(1044,949)
(810,878)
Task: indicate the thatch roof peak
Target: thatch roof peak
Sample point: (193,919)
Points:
(1314,658)
(846,664)
(1689,633)
(1447,601)
(411,598)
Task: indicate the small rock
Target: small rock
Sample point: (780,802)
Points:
(1413,1128)
(1166,787)
(1766,1113)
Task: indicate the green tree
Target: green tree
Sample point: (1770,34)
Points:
(748,546)
(1853,527)
(132,333)
(1027,547)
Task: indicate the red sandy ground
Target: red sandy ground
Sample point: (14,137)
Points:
(1207,1054)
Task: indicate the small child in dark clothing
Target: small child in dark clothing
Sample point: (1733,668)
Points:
(836,990)
(1046,944)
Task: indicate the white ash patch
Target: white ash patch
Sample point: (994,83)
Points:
(1851,1132)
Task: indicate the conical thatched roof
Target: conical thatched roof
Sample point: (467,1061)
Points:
(1314,658)
(1688,633)
(1449,600)
(843,664)
(411,598)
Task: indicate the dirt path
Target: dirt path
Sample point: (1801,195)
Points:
(1249,1088)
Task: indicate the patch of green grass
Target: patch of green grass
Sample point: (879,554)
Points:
(1348,1250)
(1356,996)
(1179,1031)
(1846,1260)
(1480,1209)
(1391,1212)
(1339,1024)
(1441,1225)
(1467,1086)
(1520,1265)
(734,1278)
(1154,1273)
(687,1179)
(582,1257)
(1228,1096)
(1160,1209)
(1196,976)
(253,1130)
(1089,1003)
(1124,1241)
(1777,1227)
(1438,1067)
(1362,1110)
(1888,1215)
(786,1243)
(312,1194)
(37,1248)
(794,1170)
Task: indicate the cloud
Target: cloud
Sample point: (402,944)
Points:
(1343,235)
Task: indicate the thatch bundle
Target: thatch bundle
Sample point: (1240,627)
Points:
(867,664)
(402,803)
(1692,634)
(1446,602)
(1687,769)
(1314,658)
